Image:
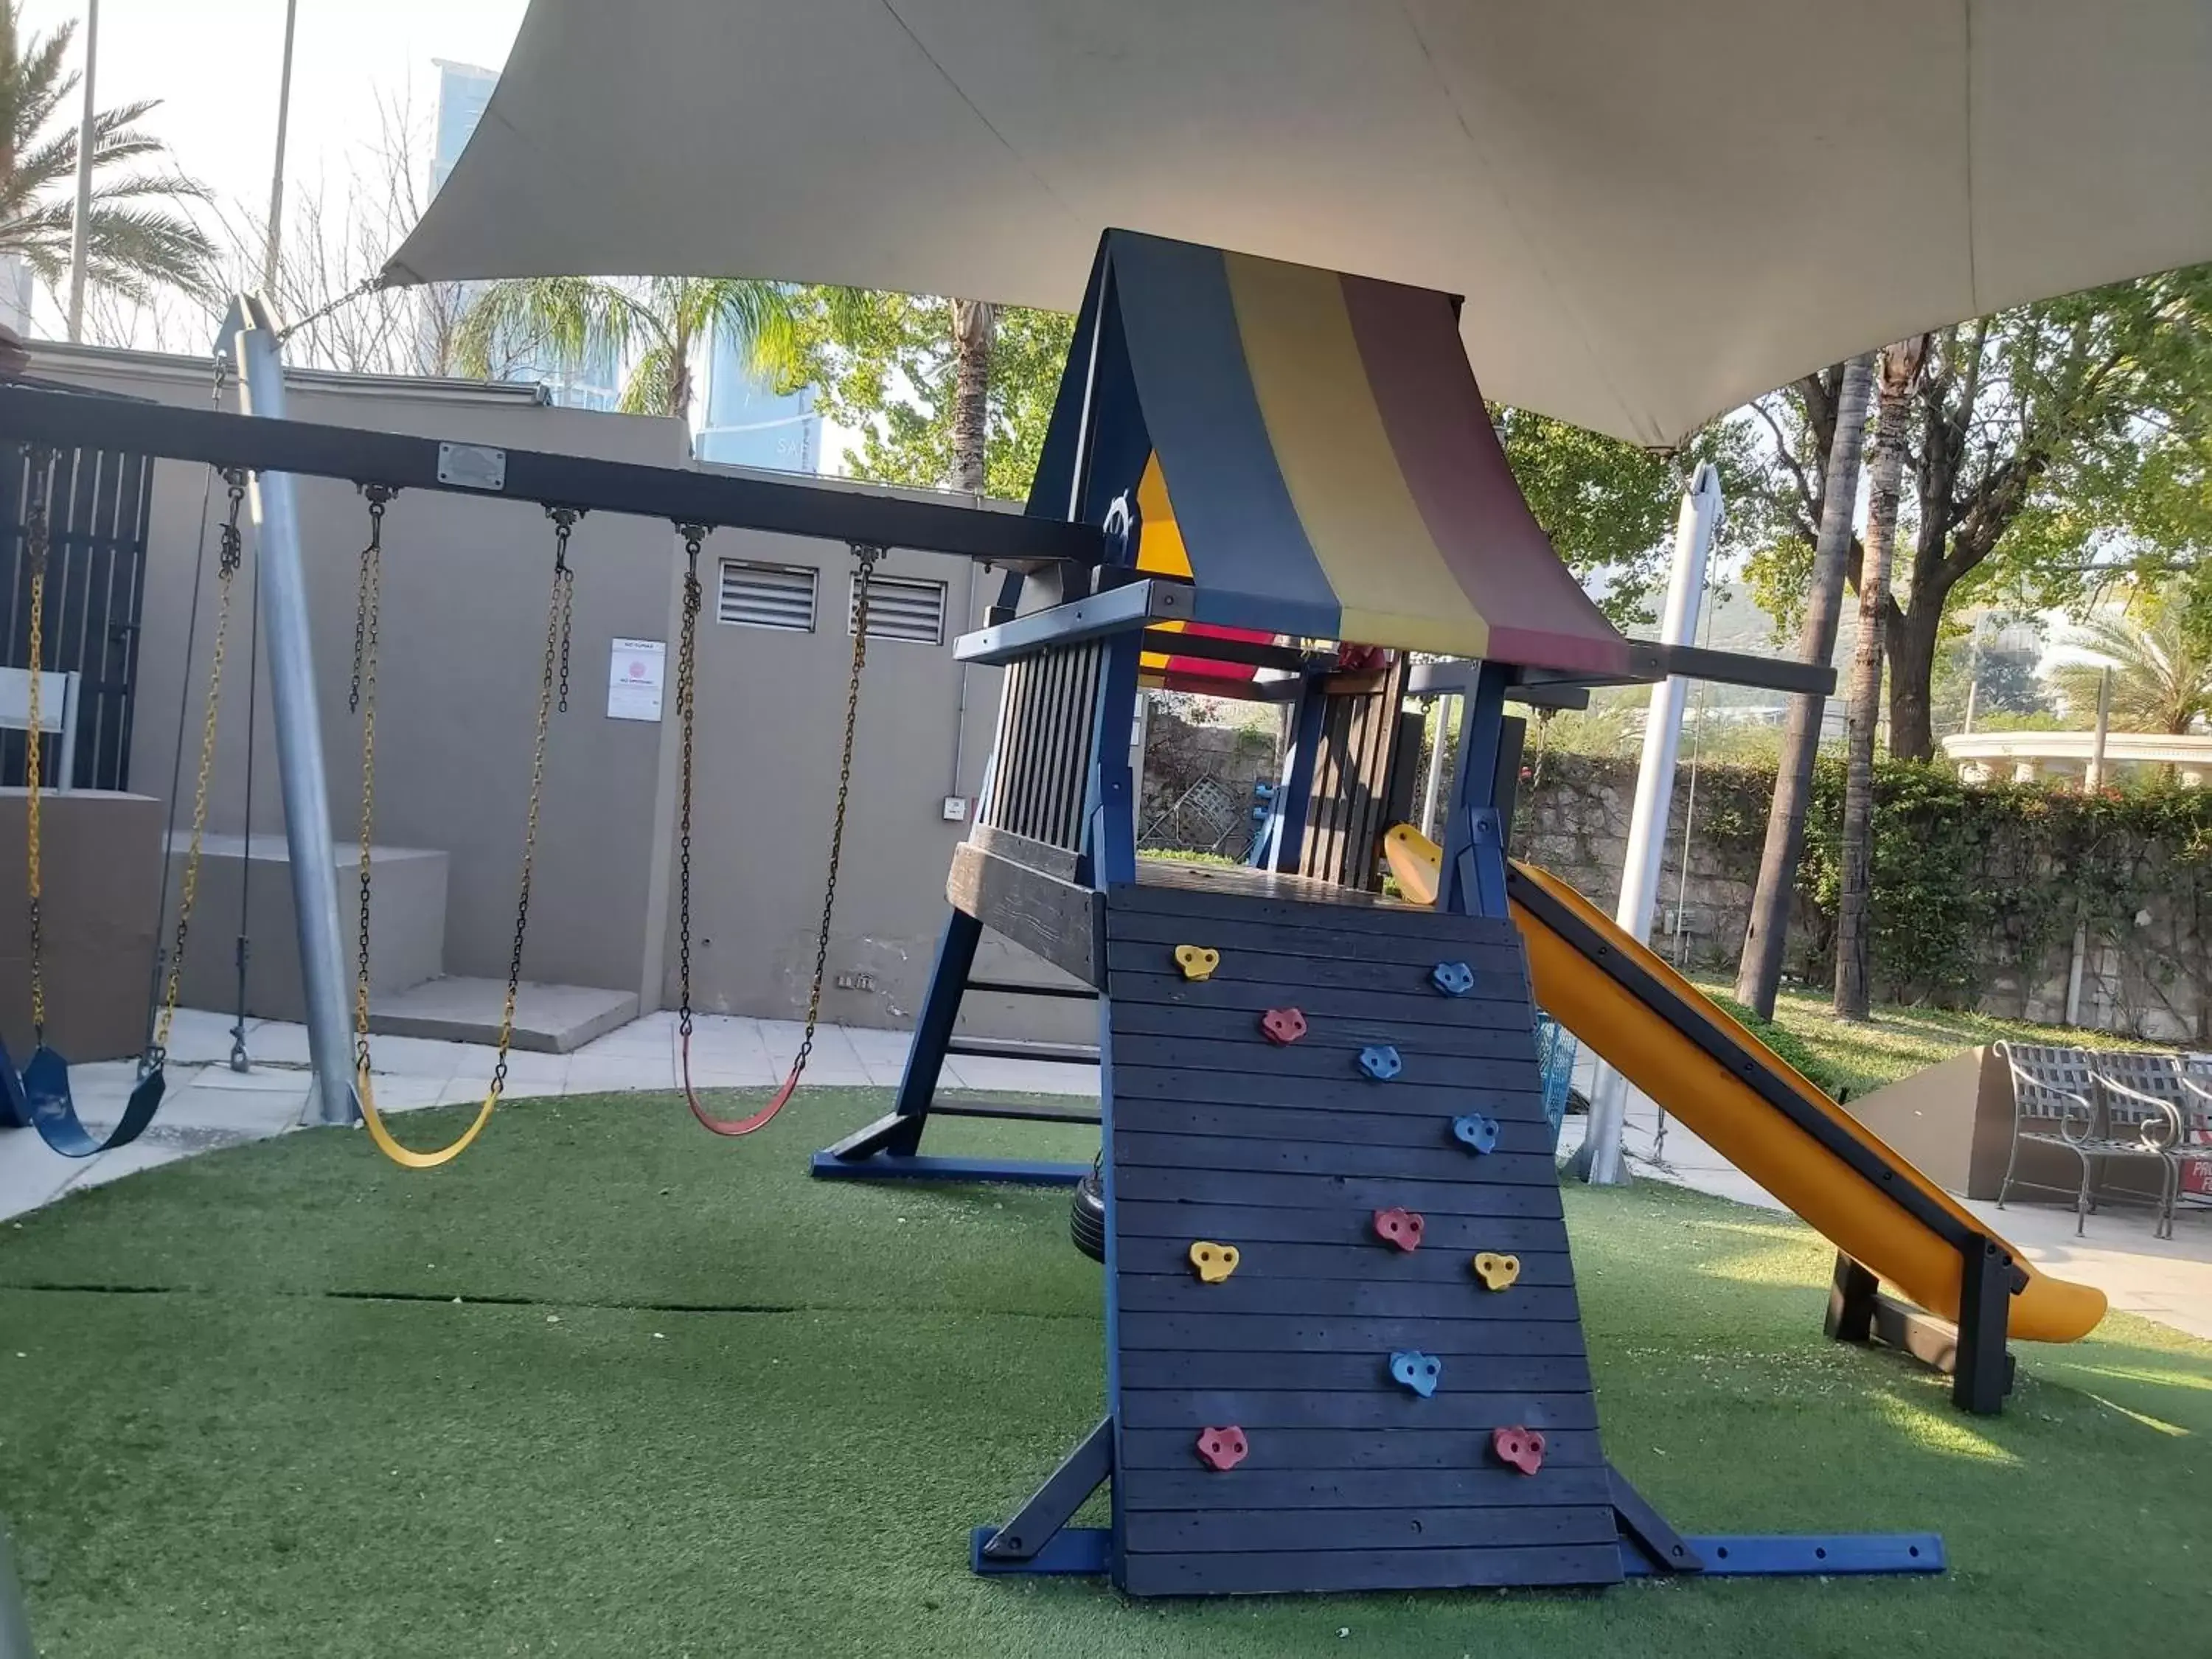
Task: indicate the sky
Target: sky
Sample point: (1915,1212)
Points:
(214,65)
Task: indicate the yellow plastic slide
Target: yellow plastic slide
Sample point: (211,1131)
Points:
(1729,1115)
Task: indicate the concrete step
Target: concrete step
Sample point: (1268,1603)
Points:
(548,1019)
(408,921)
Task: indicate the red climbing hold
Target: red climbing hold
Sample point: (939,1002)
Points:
(1282,1025)
(1222,1449)
(1522,1448)
(1399,1227)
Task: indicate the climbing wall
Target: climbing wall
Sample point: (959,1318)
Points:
(1346,1352)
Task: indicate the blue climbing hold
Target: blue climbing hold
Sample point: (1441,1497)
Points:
(1476,1131)
(1417,1371)
(1381,1062)
(1453,979)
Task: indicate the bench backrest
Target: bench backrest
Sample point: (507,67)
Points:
(2157,1075)
(2050,1084)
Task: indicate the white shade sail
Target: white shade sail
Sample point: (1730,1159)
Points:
(1656,209)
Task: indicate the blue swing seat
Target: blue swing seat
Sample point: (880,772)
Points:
(39,1099)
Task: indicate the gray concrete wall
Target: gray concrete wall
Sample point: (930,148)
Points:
(100,867)
(464,617)
(407,923)
(771,718)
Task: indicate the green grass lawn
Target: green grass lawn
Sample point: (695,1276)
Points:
(1863,1055)
(608,1387)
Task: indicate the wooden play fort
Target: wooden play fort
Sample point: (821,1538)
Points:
(1344,1350)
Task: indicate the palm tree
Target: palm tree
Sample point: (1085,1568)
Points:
(134,244)
(2161,667)
(655,322)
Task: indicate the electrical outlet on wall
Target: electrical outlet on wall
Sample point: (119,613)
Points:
(955,809)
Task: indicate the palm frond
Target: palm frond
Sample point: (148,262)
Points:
(134,246)
(764,317)
(646,390)
(38,85)
(567,315)
(134,251)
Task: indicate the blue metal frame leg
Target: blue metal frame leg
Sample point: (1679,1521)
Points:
(888,1148)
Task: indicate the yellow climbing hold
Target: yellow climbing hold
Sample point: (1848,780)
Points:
(1214,1262)
(1197,960)
(1497,1272)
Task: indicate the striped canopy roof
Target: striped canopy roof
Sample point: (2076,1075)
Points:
(1312,450)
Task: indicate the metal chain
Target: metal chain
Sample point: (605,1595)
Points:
(564,586)
(366,599)
(233,553)
(687,652)
(36,539)
(364,634)
(556,612)
(863,585)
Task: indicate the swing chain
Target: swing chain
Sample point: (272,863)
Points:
(695,536)
(234,551)
(565,585)
(367,599)
(367,614)
(556,619)
(863,592)
(36,537)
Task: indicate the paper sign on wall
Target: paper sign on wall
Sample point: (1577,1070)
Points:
(635,671)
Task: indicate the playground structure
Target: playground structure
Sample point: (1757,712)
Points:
(1343,1347)
(1327,1163)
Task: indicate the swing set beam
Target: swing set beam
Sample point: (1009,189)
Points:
(62,420)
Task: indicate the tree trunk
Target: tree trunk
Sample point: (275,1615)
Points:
(975,324)
(1911,639)
(1900,369)
(1759,976)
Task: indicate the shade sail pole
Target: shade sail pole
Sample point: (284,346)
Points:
(1599,1162)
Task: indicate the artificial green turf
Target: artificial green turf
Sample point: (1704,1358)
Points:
(730,1411)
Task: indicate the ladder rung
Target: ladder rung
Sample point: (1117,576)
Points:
(1063,1054)
(1006,987)
(1025,1114)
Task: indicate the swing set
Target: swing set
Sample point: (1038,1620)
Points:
(381,466)
(40,1097)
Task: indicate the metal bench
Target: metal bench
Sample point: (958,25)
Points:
(2194,1147)
(2097,1108)
(2147,1098)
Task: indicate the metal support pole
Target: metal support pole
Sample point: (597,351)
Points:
(1599,1162)
(275,246)
(80,225)
(1432,792)
(2092,781)
(299,731)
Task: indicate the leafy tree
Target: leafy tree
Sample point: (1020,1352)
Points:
(135,243)
(2161,669)
(2039,440)
(656,324)
(1609,507)
(928,383)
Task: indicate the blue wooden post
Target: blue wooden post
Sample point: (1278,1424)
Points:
(1473,871)
(1109,802)
(1280,842)
(940,1008)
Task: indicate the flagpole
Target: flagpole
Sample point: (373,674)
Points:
(81,226)
(276,177)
